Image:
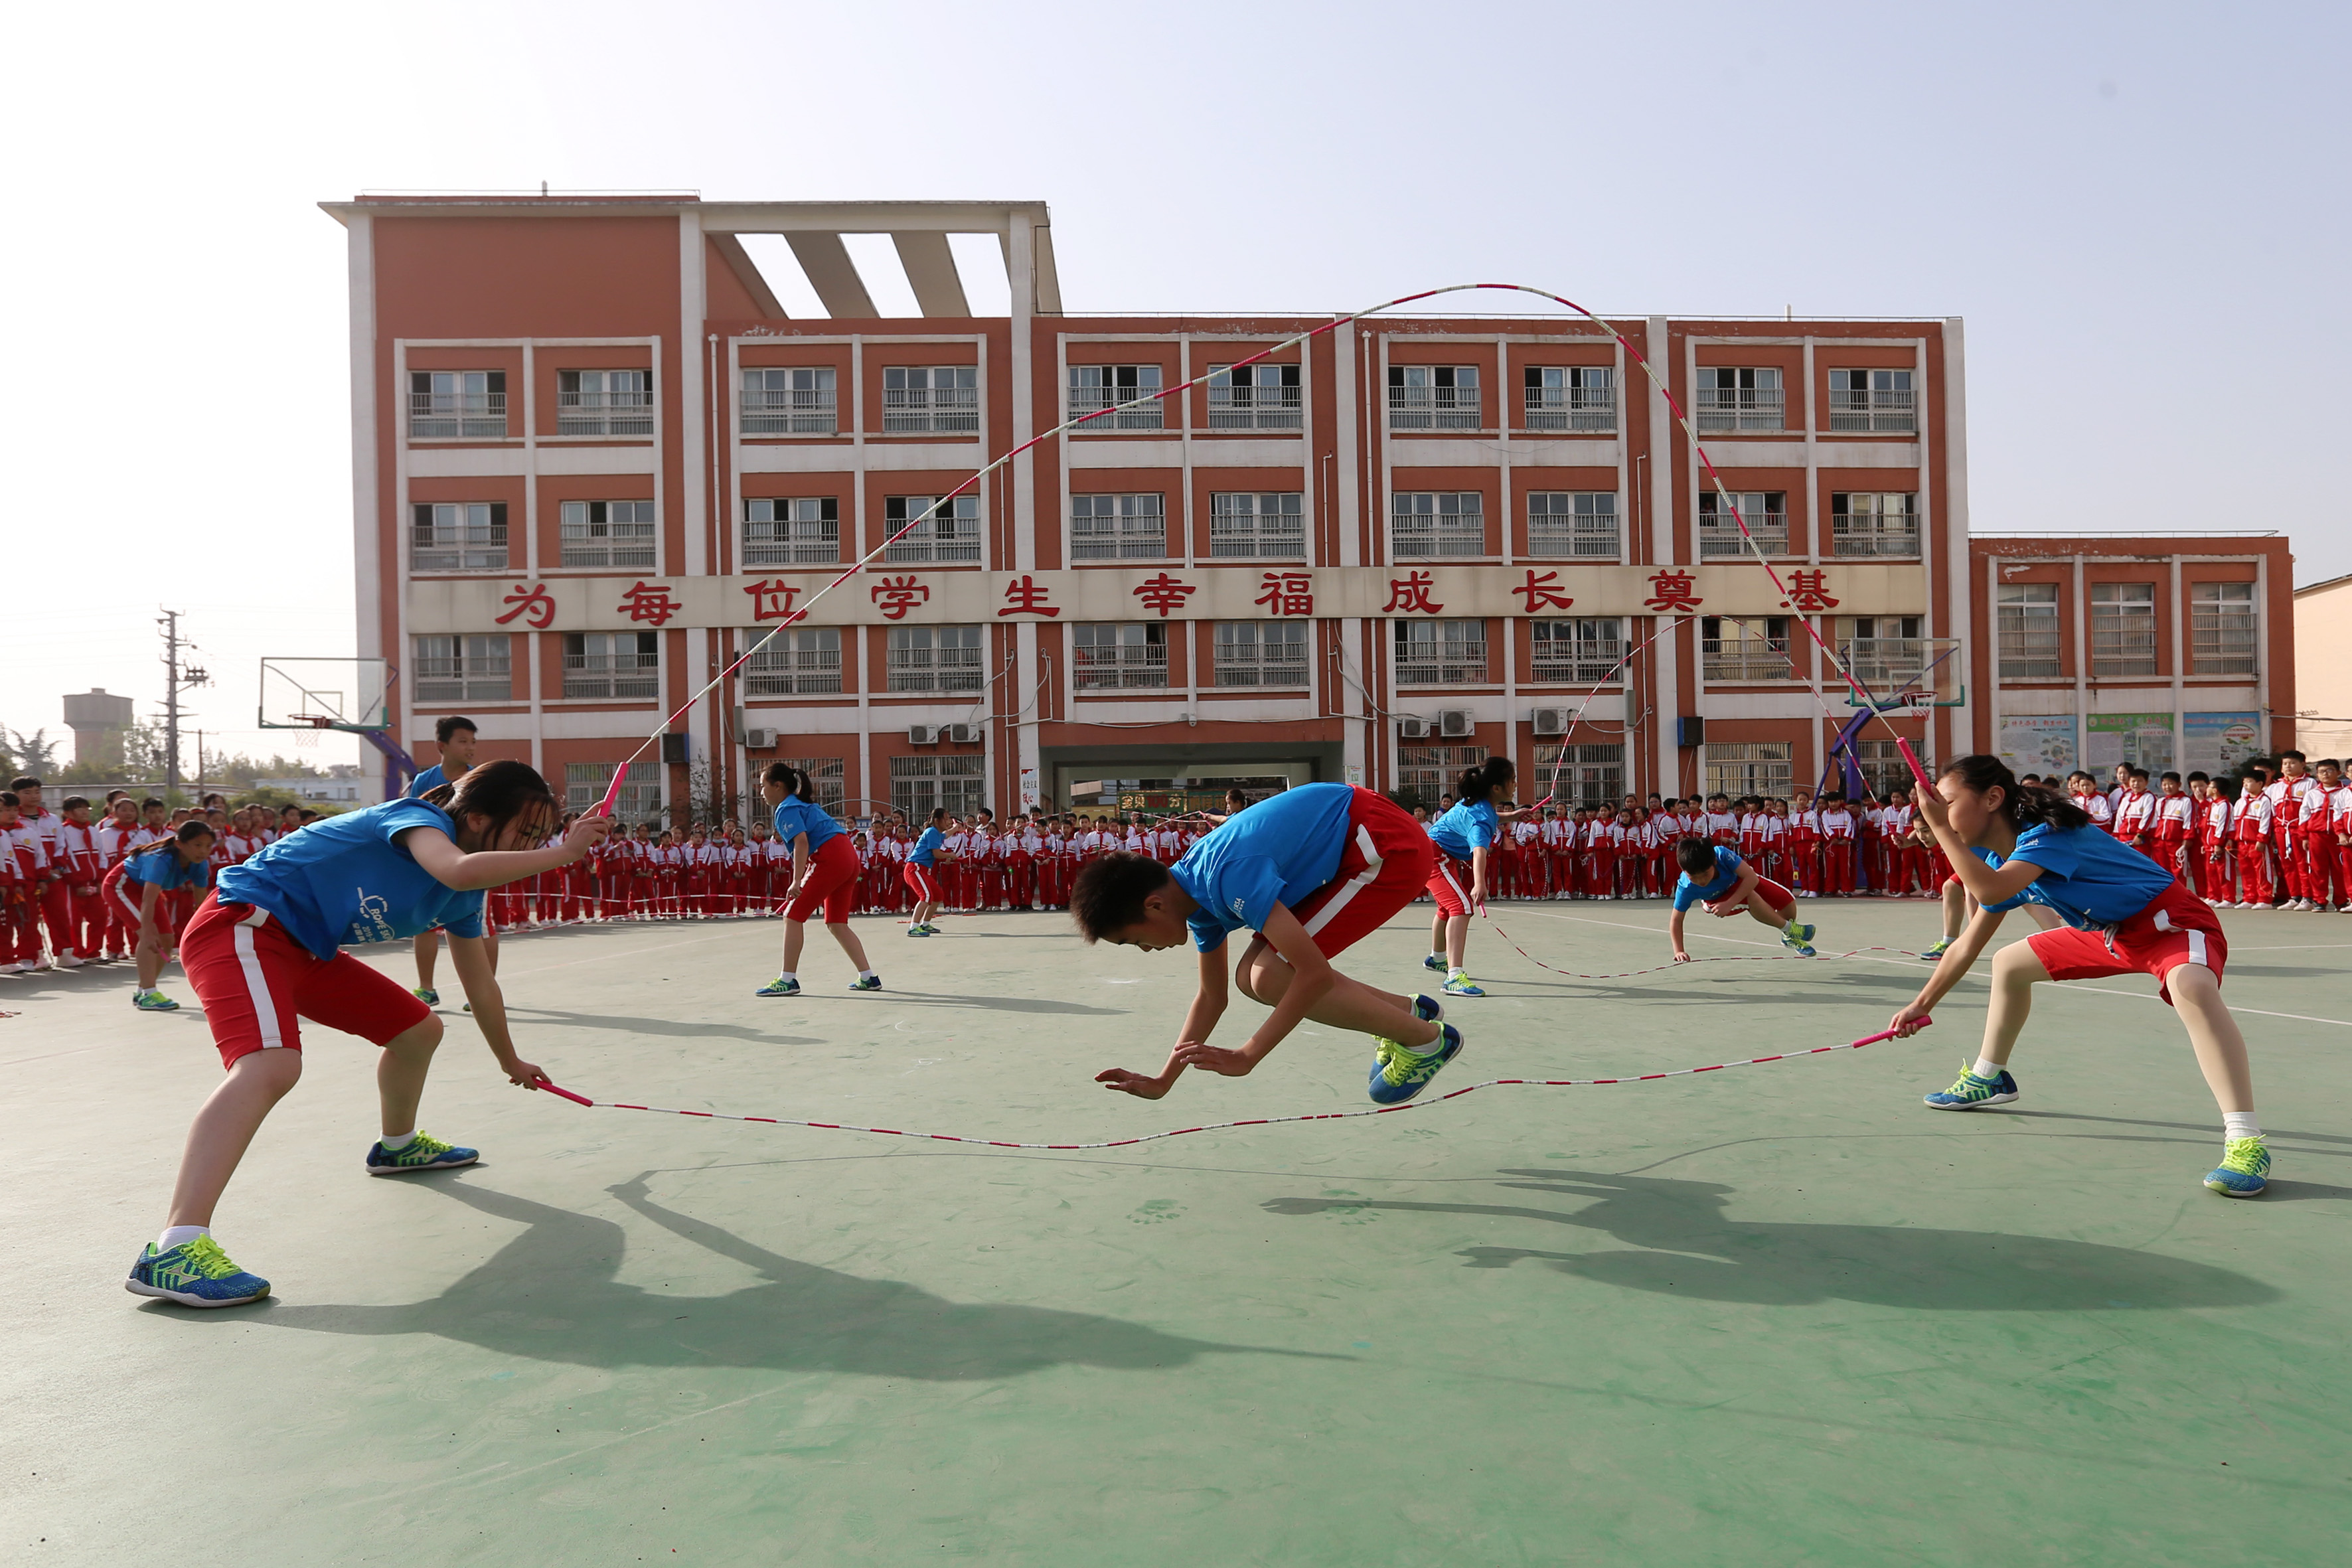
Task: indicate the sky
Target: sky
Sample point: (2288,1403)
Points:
(2139,210)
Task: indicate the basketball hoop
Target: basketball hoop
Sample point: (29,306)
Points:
(1916,704)
(308,739)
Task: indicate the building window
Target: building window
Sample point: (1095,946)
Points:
(1441,653)
(2123,628)
(802,531)
(1433,397)
(1730,400)
(1576,397)
(1254,397)
(2027,623)
(1736,768)
(935,658)
(1261,653)
(920,786)
(951,533)
(1425,523)
(1585,650)
(1765,513)
(1583,776)
(462,669)
(1266,525)
(456,405)
(830,779)
(787,401)
(1756,649)
(1095,387)
(639,799)
(2221,628)
(1425,774)
(457,536)
(1864,524)
(1117,528)
(603,402)
(939,400)
(610,664)
(1874,400)
(1887,653)
(608,533)
(1573,524)
(795,662)
(1107,657)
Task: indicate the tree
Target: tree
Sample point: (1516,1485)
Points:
(35,753)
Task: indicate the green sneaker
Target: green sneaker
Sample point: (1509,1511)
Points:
(1974,1093)
(1937,951)
(1459,984)
(423,1153)
(779,986)
(426,995)
(154,1001)
(195,1274)
(866,983)
(1398,1074)
(2244,1170)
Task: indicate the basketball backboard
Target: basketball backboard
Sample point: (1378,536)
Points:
(325,694)
(1909,672)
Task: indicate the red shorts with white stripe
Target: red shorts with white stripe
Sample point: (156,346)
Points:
(1776,895)
(1449,883)
(256,982)
(1384,867)
(2178,928)
(831,884)
(920,882)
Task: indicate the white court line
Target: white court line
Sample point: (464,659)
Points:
(601,957)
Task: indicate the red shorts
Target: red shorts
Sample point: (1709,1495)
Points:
(1385,866)
(2178,928)
(920,882)
(1449,883)
(256,982)
(832,883)
(1779,896)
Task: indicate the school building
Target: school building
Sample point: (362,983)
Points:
(594,461)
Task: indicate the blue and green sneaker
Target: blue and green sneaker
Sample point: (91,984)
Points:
(866,983)
(1434,961)
(195,1274)
(426,995)
(1398,1074)
(779,986)
(1974,1093)
(2244,1170)
(424,1152)
(1935,953)
(1428,1009)
(1459,984)
(154,1001)
(919,930)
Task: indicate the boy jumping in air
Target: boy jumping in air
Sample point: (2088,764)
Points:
(1718,878)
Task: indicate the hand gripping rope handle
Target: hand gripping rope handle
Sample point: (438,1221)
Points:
(613,791)
(1225,1126)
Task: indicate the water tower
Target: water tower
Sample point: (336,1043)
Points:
(98,719)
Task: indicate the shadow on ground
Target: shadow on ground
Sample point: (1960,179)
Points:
(1686,1246)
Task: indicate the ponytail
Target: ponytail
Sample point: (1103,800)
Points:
(797,783)
(1479,783)
(2022,805)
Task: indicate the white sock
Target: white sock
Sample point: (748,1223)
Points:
(2239,1124)
(788,974)
(1457,973)
(1988,1068)
(1436,1043)
(173,1235)
(867,974)
(395,1144)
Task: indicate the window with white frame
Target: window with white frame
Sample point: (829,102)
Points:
(1118,528)
(1255,398)
(639,799)
(948,535)
(1731,399)
(1261,653)
(1426,774)
(923,784)
(1887,653)
(1097,387)
(1586,650)
(1875,400)
(1736,768)
(1426,523)
(1588,775)
(1883,772)
(789,400)
(2026,621)
(608,533)
(2221,628)
(1119,656)
(456,405)
(457,536)
(611,665)
(603,402)
(801,530)
(1863,522)
(2123,628)
(935,658)
(1441,653)
(939,400)
(830,777)
(1765,513)
(795,662)
(468,668)
(1573,397)
(1257,525)
(1573,525)
(1753,648)
(1433,397)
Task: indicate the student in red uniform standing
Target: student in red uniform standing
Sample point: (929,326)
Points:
(1838,831)
(78,870)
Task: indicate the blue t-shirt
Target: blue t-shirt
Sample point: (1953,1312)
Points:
(1467,825)
(797,817)
(166,870)
(344,880)
(2092,878)
(432,777)
(927,845)
(1725,878)
(1278,851)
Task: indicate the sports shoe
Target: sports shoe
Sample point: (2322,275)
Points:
(1942,947)
(1798,944)
(866,983)
(154,1001)
(1459,984)
(423,1153)
(1434,961)
(1398,1074)
(426,995)
(1974,1093)
(195,1274)
(1802,933)
(1428,1009)
(919,930)
(2244,1170)
(71,961)
(779,986)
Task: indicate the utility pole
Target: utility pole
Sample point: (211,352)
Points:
(176,679)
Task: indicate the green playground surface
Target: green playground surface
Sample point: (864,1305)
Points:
(1784,1314)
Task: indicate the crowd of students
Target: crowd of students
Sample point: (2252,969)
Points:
(2272,834)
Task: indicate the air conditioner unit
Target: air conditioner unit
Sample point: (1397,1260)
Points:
(923,734)
(1412,729)
(760,740)
(1551,721)
(1456,723)
(963,734)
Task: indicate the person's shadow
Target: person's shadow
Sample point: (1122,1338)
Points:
(552,1294)
(1682,1244)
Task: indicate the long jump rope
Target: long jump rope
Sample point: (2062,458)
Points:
(1725,503)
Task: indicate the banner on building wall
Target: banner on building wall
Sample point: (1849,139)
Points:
(2218,743)
(2042,743)
(2141,740)
(1030,800)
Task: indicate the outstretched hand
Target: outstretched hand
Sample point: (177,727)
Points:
(1215,1058)
(1134,1083)
(1909,1021)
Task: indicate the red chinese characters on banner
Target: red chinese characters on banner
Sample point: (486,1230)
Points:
(1025,597)
(1543,593)
(896,595)
(1808,591)
(1164,594)
(533,602)
(1288,594)
(648,603)
(1672,591)
(1410,594)
(772,598)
